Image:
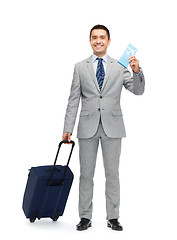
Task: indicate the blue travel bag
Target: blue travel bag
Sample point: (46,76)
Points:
(47,189)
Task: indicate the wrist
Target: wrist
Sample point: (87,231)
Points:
(138,73)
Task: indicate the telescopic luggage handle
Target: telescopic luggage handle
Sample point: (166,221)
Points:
(60,182)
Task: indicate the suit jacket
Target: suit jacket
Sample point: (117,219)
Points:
(96,104)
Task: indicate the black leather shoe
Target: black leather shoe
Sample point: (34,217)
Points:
(84,224)
(115,225)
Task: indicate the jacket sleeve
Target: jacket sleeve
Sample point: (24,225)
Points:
(134,84)
(73,103)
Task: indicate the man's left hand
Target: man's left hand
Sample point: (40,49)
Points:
(134,64)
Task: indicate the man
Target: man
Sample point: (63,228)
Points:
(98,81)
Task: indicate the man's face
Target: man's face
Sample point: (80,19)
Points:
(99,42)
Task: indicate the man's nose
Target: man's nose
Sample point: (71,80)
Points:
(98,40)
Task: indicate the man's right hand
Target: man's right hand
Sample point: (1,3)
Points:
(66,136)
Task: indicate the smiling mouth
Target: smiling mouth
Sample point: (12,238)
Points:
(98,46)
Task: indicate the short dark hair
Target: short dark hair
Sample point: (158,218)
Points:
(98,26)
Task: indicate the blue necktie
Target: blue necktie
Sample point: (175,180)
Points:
(100,72)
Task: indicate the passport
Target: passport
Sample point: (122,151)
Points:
(129,51)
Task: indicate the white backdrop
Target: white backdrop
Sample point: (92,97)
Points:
(39,44)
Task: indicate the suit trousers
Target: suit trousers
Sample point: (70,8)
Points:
(111,148)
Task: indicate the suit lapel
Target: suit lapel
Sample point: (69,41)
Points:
(108,70)
(91,70)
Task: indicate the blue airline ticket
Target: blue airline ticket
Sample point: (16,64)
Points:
(129,51)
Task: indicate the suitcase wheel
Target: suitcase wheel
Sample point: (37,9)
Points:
(55,219)
(33,217)
(32,220)
(57,214)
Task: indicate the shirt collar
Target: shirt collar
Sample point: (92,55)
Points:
(105,57)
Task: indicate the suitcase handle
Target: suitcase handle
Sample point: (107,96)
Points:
(61,182)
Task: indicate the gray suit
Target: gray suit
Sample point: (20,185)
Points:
(100,118)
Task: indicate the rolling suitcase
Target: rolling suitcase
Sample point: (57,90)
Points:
(47,189)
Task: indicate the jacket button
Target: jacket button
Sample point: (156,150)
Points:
(101,97)
(98,109)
